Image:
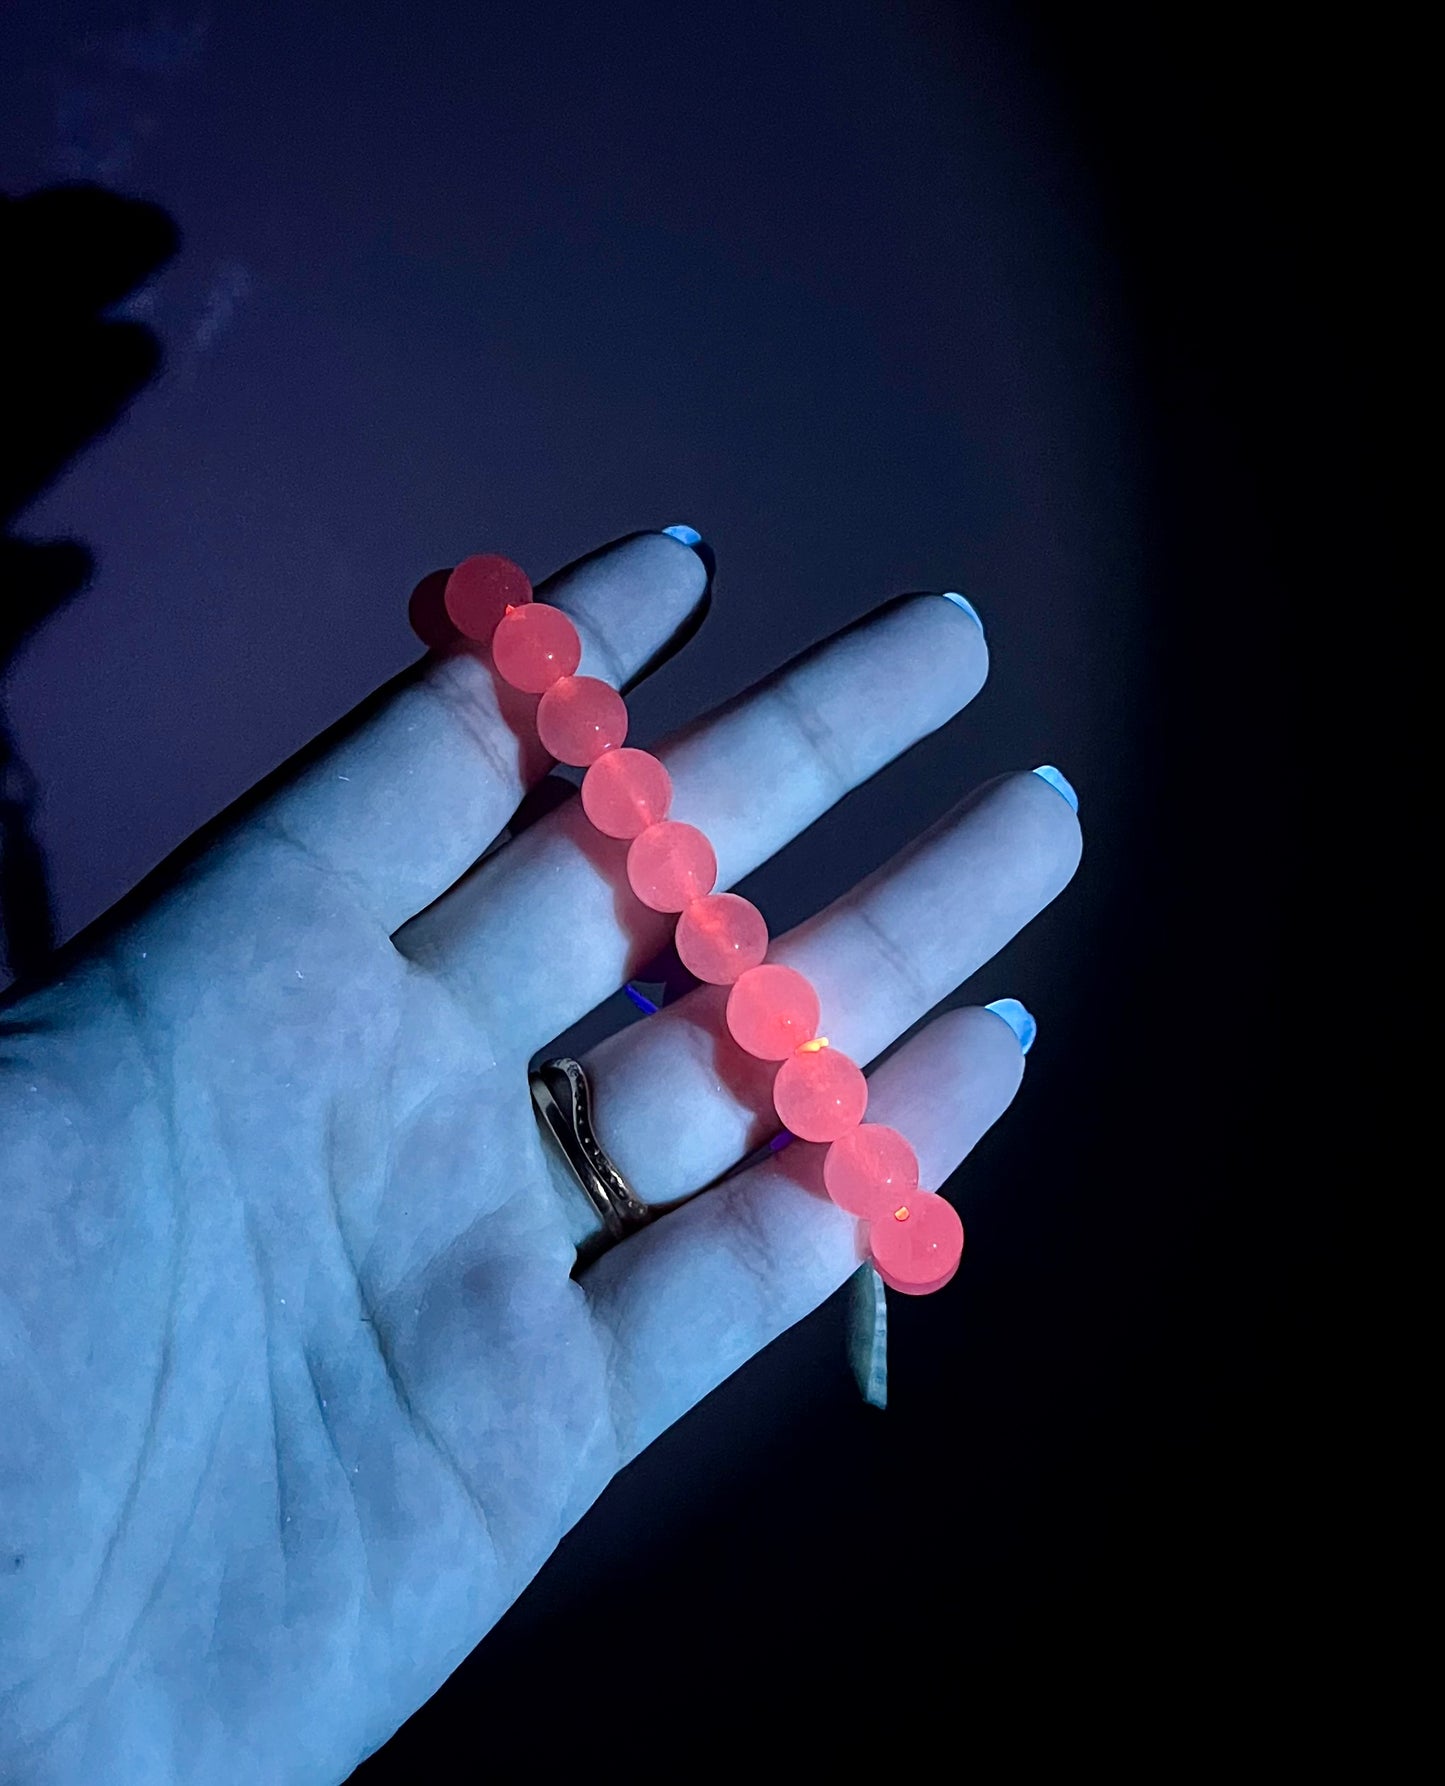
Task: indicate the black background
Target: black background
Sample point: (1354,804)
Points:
(1098,1474)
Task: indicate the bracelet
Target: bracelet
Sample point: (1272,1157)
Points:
(915,1237)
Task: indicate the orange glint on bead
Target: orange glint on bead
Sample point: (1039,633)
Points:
(771,1010)
(481,590)
(867,1170)
(819,1094)
(919,1250)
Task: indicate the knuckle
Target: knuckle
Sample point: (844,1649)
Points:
(899,960)
(819,741)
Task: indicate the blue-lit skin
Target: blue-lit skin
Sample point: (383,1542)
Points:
(296,1391)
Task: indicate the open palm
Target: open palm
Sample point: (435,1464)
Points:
(297,1388)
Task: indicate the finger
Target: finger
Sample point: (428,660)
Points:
(690,1298)
(551,923)
(676,1102)
(399,799)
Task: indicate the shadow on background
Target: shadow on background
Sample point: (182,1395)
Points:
(69,370)
(1094,1478)
(1097,1493)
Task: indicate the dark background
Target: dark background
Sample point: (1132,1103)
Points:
(1038,301)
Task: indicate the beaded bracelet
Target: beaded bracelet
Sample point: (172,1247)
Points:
(915,1237)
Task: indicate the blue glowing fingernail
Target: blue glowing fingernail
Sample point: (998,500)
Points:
(1019,1019)
(1056,779)
(689,536)
(962,601)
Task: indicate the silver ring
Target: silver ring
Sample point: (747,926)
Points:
(562,1098)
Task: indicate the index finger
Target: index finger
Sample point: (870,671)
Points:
(406,792)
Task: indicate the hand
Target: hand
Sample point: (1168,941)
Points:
(296,1391)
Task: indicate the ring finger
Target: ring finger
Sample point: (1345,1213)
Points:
(677,1103)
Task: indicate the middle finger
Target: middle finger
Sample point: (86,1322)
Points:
(549,923)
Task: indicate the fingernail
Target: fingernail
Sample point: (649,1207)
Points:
(1019,1019)
(962,601)
(1056,779)
(691,537)
(688,631)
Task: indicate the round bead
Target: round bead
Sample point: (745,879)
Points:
(870,1171)
(535,646)
(479,592)
(427,612)
(771,1009)
(669,865)
(917,1247)
(720,937)
(625,791)
(580,718)
(819,1094)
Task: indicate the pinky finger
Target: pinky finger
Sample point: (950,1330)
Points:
(691,1298)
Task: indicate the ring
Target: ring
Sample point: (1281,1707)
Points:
(562,1098)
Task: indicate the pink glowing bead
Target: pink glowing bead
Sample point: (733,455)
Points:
(819,1094)
(580,718)
(917,1246)
(870,1171)
(625,791)
(720,937)
(479,592)
(534,646)
(771,1010)
(669,865)
(427,612)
